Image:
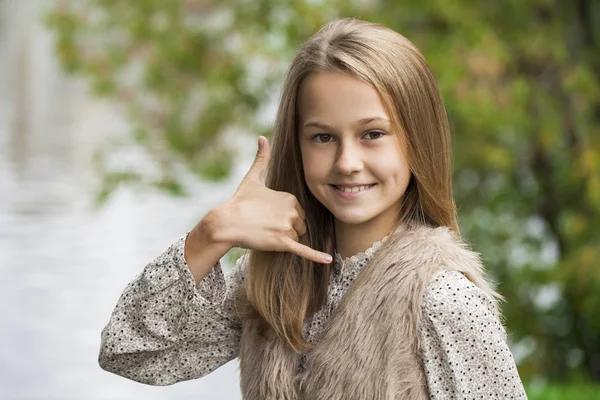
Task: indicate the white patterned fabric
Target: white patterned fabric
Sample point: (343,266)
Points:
(165,329)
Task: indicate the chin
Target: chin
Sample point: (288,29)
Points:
(351,218)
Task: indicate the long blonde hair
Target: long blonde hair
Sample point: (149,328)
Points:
(282,289)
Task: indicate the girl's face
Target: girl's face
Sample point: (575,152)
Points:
(348,143)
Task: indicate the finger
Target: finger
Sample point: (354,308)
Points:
(292,234)
(299,227)
(259,167)
(300,210)
(306,252)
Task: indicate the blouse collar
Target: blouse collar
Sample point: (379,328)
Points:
(359,258)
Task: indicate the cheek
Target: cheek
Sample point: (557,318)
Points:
(392,168)
(314,167)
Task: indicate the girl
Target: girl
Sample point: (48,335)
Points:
(357,284)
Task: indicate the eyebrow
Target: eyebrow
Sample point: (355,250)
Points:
(360,122)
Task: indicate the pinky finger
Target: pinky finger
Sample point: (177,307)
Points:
(308,253)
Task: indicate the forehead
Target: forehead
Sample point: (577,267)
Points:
(338,98)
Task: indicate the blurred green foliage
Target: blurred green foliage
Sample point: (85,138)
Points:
(521,82)
(579,391)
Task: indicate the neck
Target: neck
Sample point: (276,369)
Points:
(352,239)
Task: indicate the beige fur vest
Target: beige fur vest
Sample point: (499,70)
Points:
(370,347)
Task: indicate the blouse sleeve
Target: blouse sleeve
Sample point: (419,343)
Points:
(165,329)
(464,349)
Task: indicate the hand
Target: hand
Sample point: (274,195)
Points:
(259,218)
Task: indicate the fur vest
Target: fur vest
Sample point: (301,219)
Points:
(370,346)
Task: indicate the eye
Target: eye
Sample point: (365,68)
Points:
(324,138)
(378,134)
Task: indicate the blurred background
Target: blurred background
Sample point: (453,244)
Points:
(123,122)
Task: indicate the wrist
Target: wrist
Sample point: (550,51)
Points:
(213,231)
(205,238)
(203,249)
(214,228)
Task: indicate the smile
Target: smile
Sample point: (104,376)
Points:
(354,189)
(351,192)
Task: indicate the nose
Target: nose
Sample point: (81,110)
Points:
(349,159)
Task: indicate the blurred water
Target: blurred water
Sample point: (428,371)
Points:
(63,265)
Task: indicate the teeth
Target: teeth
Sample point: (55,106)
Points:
(354,189)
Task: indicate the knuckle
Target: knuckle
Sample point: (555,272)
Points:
(301,214)
(291,199)
(294,215)
(281,243)
(287,227)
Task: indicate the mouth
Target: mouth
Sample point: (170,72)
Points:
(353,189)
(351,192)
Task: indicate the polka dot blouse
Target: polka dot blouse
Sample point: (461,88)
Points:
(165,329)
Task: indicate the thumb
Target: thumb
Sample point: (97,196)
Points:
(263,156)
